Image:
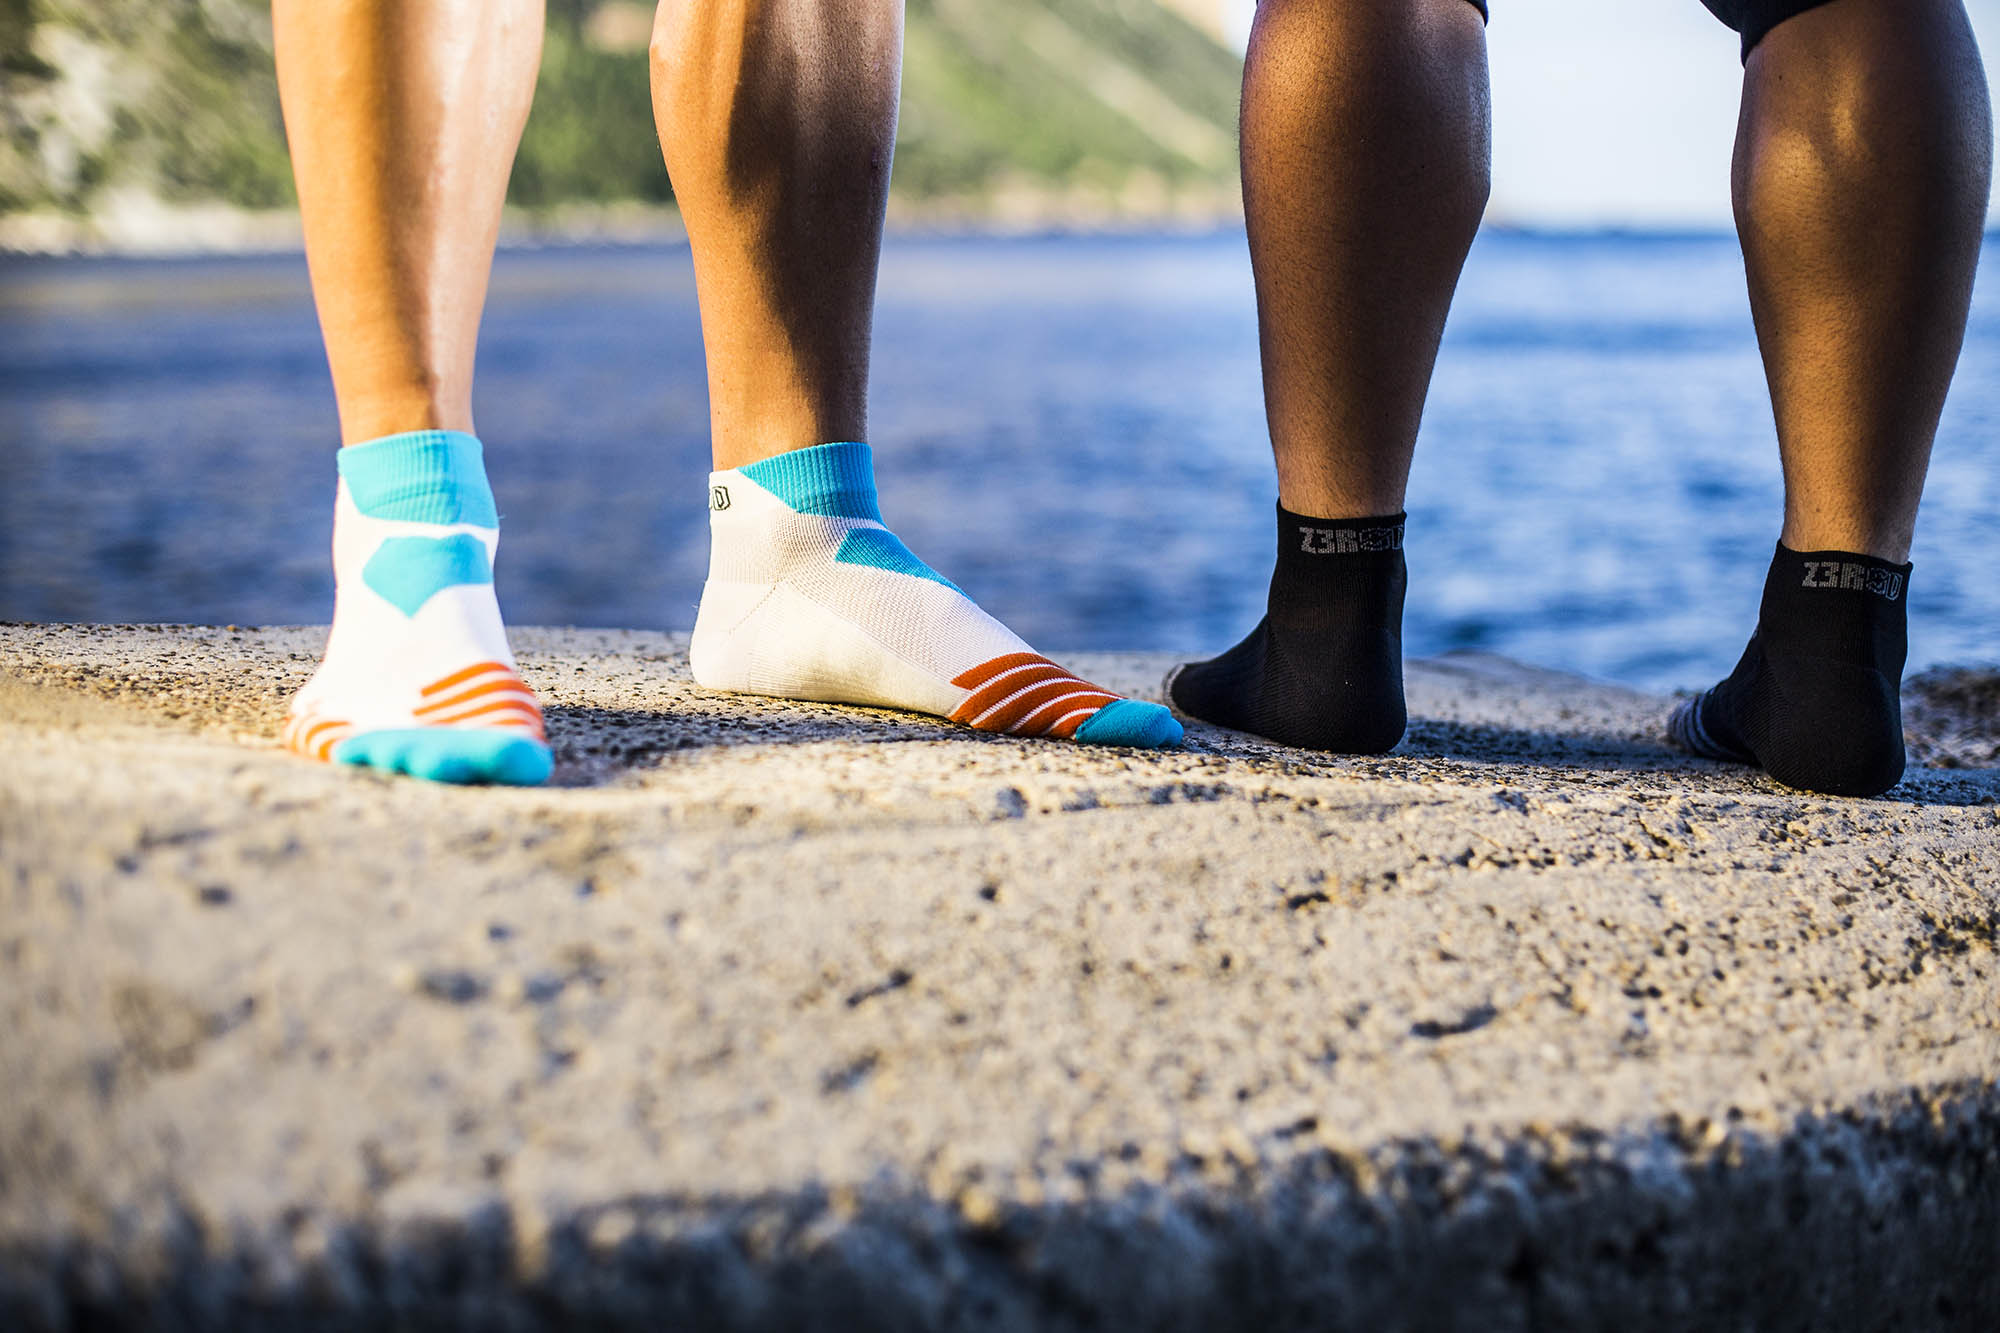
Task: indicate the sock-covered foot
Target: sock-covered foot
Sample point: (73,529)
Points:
(1324,669)
(417,677)
(1816,699)
(809,596)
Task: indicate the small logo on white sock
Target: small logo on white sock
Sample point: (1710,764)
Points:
(718,497)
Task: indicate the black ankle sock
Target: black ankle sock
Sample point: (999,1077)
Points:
(1324,668)
(1816,700)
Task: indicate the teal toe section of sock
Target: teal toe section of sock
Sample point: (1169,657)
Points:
(1131,722)
(466,757)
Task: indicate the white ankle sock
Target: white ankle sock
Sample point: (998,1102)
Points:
(417,677)
(809,596)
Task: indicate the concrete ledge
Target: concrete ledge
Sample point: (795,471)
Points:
(791,1016)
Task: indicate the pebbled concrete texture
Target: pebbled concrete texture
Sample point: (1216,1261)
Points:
(775,1015)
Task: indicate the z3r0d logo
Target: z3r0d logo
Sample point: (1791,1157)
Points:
(718,497)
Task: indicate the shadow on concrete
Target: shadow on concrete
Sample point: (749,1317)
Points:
(1486,745)
(594,746)
(1884,1215)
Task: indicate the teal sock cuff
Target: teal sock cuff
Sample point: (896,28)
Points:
(834,480)
(423,476)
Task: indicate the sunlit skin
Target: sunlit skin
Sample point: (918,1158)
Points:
(403,120)
(778,121)
(1861,179)
(1365,146)
(1862,172)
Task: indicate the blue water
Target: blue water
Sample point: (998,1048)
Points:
(1071,429)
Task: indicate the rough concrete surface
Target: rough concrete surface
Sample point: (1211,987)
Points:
(774,1015)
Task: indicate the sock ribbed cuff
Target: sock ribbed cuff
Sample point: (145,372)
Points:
(833,480)
(422,476)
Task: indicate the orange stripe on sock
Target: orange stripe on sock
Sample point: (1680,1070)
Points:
(313,738)
(1085,701)
(1066,725)
(522,714)
(487,691)
(973,678)
(1004,715)
(1007,684)
(460,677)
(513,703)
(305,739)
(510,686)
(1019,692)
(1012,687)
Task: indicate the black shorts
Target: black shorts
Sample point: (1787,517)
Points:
(1752,18)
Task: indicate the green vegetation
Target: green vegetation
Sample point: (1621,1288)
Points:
(590,135)
(175,100)
(1061,92)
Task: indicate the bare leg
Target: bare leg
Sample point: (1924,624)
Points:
(1862,164)
(403,120)
(1861,178)
(1365,159)
(778,120)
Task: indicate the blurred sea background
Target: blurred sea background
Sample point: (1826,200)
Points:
(1067,413)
